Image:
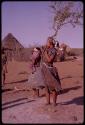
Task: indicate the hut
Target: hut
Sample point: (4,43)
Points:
(12,47)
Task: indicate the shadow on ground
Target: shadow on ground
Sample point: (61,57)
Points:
(69,76)
(77,101)
(5,90)
(25,80)
(7,104)
(69,89)
(24,72)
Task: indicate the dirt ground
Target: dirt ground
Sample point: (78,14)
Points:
(19,105)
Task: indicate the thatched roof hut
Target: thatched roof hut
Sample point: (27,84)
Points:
(12,47)
(10,42)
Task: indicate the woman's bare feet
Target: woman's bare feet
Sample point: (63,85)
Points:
(54,104)
(47,103)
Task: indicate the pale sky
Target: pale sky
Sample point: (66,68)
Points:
(31,23)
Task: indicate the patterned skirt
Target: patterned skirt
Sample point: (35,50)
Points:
(51,77)
(36,80)
(45,76)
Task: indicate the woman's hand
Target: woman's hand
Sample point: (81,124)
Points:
(49,58)
(46,54)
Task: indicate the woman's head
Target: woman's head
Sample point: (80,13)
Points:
(37,49)
(50,42)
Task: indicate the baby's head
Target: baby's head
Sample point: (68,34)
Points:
(50,42)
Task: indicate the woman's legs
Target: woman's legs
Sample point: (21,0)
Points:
(3,75)
(3,78)
(54,94)
(47,95)
(6,68)
(54,97)
(36,92)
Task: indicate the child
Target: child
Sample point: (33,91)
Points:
(4,67)
(35,59)
(33,80)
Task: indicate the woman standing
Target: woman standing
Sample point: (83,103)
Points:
(4,66)
(50,73)
(35,80)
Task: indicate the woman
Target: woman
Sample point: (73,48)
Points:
(4,67)
(50,74)
(35,80)
(35,58)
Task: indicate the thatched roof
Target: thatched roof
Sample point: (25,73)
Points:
(10,42)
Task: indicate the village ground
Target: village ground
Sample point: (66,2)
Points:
(19,105)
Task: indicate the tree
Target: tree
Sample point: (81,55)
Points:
(66,12)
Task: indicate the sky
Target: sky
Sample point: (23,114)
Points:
(31,23)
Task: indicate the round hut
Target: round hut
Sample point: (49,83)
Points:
(12,47)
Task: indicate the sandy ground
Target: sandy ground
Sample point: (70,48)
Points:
(19,106)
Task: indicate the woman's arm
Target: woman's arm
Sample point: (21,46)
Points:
(49,58)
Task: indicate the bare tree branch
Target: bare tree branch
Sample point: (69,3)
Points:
(65,13)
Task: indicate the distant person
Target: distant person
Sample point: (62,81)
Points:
(50,73)
(61,54)
(35,78)
(58,44)
(4,66)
